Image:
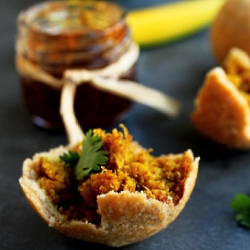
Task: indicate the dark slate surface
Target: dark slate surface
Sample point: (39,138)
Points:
(207,222)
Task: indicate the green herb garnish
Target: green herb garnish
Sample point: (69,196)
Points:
(71,158)
(91,158)
(241,205)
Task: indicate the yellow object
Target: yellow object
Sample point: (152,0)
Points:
(169,22)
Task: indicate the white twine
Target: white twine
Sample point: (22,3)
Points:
(106,79)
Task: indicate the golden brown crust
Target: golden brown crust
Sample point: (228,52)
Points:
(221,111)
(126,217)
(231,28)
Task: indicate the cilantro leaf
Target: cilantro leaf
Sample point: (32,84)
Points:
(91,157)
(71,158)
(241,205)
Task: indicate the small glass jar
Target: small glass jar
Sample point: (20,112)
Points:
(55,36)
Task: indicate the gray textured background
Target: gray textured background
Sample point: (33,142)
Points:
(207,222)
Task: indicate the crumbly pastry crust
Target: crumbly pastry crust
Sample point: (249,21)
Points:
(126,217)
(222,111)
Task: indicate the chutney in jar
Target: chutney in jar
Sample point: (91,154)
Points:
(59,35)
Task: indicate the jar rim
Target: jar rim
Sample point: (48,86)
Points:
(90,18)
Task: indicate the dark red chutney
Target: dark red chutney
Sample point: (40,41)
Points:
(93,108)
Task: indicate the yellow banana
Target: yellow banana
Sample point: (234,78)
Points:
(169,22)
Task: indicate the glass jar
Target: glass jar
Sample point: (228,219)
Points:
(55,36)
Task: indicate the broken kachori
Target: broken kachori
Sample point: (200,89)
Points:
(222,111)
(104,187)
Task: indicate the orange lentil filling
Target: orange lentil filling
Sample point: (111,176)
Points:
(126,169)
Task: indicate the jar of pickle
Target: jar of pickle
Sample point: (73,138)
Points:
(55,36)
